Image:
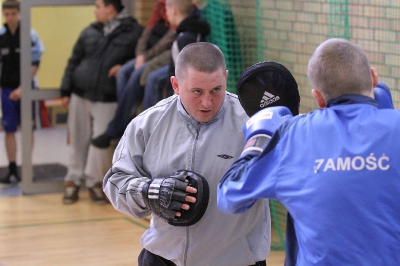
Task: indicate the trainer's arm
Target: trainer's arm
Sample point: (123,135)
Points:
(125,180)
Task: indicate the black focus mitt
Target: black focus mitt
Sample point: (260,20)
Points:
(164,196)
(267,84)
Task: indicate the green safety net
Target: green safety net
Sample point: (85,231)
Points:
(224,35)
(339,19)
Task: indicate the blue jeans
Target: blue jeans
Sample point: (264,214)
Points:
(155,83)
(129,96)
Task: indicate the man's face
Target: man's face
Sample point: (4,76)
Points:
(202,94)
(170,14)
(102,12)
(11,15)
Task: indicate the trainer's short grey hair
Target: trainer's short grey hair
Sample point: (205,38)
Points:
(339,67)
(201,56)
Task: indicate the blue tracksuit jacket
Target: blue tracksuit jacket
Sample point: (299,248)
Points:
(337,172)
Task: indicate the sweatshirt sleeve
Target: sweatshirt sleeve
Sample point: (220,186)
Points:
(124,182)
(37,48)
(229,191)
(142,42)
(253,176)
(162,45)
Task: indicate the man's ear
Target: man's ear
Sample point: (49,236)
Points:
(319,99)
(226,76)
(375,78)
(175,84)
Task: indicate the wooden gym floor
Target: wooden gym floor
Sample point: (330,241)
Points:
(40,230)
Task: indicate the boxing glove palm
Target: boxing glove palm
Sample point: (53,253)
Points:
(259,129)
(383,96)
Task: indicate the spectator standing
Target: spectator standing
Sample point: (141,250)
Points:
(11,80)
(198,129)
(88,88)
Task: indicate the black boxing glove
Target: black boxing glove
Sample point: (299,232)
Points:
(164,196)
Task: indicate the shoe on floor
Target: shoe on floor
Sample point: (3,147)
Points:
(103,141)
(10,179)
(97,195)
(70,193)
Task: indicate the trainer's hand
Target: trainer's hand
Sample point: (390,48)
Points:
(262,125)
(166,196)
(189,199)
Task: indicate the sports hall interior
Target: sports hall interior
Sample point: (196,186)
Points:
(37,229)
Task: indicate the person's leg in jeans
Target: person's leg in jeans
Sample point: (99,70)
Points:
(155,83)
(123,75)
(129,99)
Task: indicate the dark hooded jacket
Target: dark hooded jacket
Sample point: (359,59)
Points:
(93,56)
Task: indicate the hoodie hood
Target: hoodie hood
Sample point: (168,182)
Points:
(196,24)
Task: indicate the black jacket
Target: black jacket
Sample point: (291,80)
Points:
(94,55)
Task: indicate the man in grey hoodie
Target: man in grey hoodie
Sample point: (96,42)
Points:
(198,129)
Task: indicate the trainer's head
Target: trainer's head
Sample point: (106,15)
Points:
(200,80)
(107,9)
(339,67)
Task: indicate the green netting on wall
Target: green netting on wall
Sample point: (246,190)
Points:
(224,35)
(287,32)
(278,225)
(339,19)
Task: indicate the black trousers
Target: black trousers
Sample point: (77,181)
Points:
(146,258)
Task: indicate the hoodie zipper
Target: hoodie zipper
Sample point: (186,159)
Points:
(191,169)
